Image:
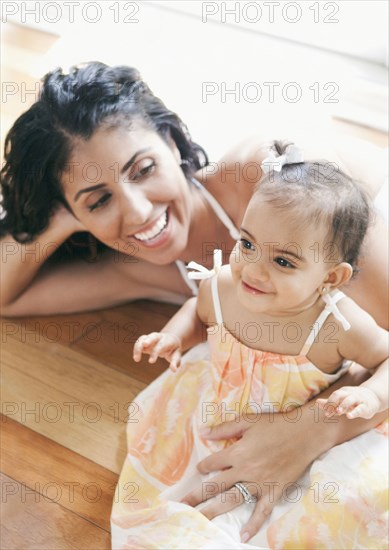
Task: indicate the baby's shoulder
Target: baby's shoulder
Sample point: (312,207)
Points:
(364,331)
(208,296)
(223,283)
(358,318)
(365,342)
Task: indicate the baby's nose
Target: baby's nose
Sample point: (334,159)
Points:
(258,271)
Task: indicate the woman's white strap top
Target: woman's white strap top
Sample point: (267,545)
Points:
(222,216)
(219,211)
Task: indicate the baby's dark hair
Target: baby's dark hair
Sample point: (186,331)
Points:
(319,192)
(71,106)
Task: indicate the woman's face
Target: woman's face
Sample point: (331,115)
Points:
(127,188)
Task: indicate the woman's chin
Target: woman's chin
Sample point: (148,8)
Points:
(168,256)
(164,255)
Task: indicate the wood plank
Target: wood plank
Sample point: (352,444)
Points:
(29,521)
(26,60)
(70,372)
(53,329)
(116,335)
(75,400)
(106,335)
(34,40)
(74,482)
(362,132)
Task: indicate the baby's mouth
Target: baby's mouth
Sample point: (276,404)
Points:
(252,289)
(154,231)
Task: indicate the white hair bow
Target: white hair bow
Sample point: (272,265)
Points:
(292,155)
(203,272)
(331,305)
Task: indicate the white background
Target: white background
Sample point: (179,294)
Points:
(337,63)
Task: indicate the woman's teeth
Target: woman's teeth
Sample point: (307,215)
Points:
(154,231)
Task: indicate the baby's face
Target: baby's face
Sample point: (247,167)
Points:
(278,265)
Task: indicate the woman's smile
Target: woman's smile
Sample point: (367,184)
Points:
(155,233)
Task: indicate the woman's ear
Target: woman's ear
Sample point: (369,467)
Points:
(336,277)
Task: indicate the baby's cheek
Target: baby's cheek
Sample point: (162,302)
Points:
(235,258)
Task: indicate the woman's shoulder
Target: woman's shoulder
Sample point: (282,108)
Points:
(232,179)
(241,164)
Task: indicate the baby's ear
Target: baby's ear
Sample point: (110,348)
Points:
(338,275)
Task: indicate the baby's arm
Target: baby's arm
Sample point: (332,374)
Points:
(183,331)
(367,344)
(362,401)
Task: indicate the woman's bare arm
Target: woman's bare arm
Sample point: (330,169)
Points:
(20,263)
(32,285)
(78,286)
(370,289)
(274,448)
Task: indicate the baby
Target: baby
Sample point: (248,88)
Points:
(299,242)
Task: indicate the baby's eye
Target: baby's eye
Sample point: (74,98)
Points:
(247,245)
(283,263)
(141,171)
(100,202)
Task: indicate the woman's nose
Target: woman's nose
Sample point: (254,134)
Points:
(136,209)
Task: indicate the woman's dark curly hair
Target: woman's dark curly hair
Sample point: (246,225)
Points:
(38,146)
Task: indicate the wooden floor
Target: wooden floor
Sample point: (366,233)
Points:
(67,382)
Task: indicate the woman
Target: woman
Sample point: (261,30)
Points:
(98,153)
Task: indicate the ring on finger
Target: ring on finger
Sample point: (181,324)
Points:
(248,497)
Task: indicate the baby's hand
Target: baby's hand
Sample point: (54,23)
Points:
(159,344)
(353,401)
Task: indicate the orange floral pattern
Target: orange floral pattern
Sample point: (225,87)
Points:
(340,502)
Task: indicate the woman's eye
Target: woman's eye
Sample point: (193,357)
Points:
(283,263)
(139,173)
(247,245)
(99,203)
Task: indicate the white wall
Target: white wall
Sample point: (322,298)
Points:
(218,76)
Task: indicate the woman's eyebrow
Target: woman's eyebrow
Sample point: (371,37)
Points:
(133,159)
(124,169)
(87,189)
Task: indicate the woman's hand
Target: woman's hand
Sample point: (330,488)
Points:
(65,220)
(272,452)
(21,290)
